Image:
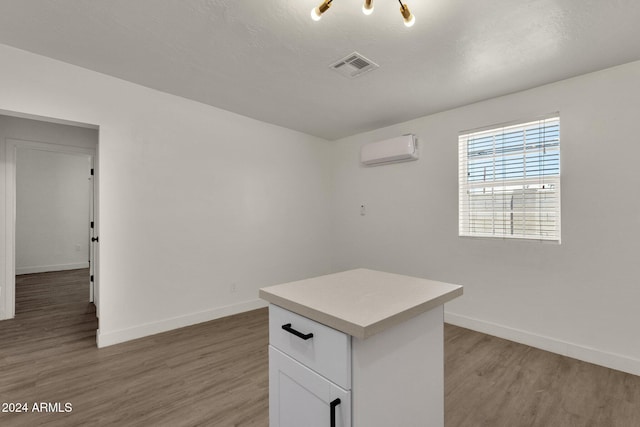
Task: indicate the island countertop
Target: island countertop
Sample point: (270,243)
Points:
(361,302)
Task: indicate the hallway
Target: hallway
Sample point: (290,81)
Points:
(52,311)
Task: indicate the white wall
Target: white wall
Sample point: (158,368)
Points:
(52,211)
(193,199)
(47,132)
(579,298)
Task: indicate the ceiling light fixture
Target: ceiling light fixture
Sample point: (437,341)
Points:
(408,17)
(367,9)
(316,13)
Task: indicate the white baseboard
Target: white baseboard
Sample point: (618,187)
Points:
(48,268)
(576,351)
(116,337)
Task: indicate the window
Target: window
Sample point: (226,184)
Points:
(509,181)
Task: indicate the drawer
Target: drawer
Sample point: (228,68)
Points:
(328,352)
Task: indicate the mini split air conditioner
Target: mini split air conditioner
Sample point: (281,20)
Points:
(400,149)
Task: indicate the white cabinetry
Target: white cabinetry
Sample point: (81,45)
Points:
(370,340)
(309,372)
(394,378)
(300,397)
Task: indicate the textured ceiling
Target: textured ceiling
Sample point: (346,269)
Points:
(268,60)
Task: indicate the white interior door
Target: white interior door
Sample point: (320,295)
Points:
(92,233)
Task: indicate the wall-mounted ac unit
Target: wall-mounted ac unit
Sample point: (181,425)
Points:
(400,149)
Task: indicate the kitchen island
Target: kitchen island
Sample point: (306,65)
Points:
(360,348)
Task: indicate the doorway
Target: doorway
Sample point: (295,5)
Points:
(54,213)
(78,252)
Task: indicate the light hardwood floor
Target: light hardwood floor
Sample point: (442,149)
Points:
(215,373)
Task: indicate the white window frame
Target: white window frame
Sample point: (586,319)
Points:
(509,206)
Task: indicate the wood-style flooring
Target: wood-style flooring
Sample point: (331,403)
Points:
(216,373)
(491,382)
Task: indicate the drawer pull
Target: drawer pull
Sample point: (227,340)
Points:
(289,329)
(332,407)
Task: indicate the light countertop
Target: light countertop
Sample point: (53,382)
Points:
(361,302)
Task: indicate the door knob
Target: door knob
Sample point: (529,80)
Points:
(94,239)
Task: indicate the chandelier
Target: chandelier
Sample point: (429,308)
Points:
(367,9)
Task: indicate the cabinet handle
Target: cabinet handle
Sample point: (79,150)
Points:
(332,407)
(289,329)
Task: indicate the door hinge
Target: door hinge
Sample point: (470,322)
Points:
(92,277)
(91,224)
(91,171)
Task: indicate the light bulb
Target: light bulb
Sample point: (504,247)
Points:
(315,14)
(408,17)
(410,22)
(367,7)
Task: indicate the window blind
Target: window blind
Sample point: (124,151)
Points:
(509,181)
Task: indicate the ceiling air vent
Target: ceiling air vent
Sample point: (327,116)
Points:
(353,65)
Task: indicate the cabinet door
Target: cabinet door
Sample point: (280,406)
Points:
(300,397)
